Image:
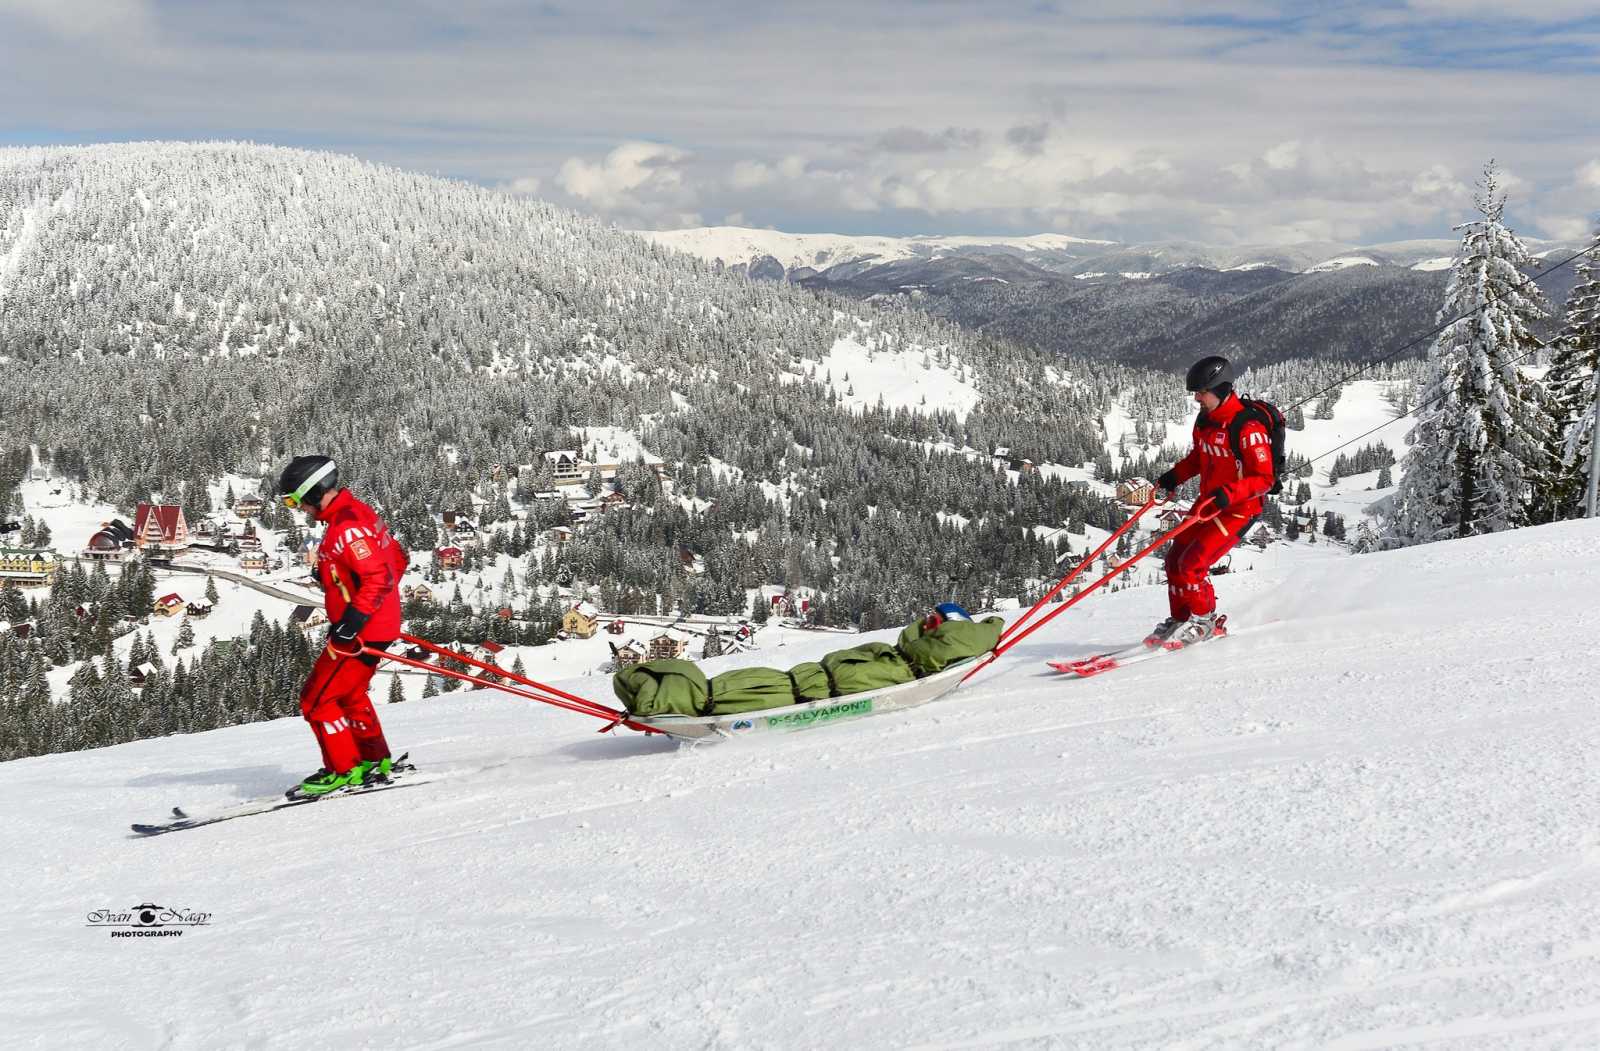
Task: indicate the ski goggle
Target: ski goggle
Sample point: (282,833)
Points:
(295,499)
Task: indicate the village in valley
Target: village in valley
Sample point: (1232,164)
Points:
(246,558)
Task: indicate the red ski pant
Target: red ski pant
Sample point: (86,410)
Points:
(335,702)
(1192,554)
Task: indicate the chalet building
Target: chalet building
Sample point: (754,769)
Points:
(668,645)
(83,612)
(419,593)
(616,627)
(140,675)
(487,652)
(691,561)
(168,605)
(1135,492)
(249,507)
(160,527)
(566,465)
(455,519)
(23,630)
(449,557)
(611,501)
(27,566)
(308,616)
(629,652)
(113,542)
(248,541)
(253,562)
(559,535)
(581,621)
(199,609)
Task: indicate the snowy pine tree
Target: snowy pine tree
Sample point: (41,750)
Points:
(1476,452)
(1570,385)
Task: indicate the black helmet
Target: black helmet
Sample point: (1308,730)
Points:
(305,480)
(1209,374)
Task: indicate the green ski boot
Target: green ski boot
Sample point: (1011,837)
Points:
(325,781)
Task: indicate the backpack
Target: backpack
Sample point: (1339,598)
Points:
(1277,425)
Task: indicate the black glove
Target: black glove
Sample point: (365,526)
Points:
(1168,481)
(349,625)
(1219,498)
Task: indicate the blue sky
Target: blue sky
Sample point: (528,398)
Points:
(1232,122)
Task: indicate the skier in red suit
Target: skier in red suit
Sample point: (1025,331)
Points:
(1234,485)
(359,565)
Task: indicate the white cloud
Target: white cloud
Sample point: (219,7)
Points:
(641,181)
(78,20)
(1589,175)
(1000,118)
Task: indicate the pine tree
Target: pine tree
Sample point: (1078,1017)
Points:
(1476,455)
(185,637)
(397,693)
(211,590)
(1570,384)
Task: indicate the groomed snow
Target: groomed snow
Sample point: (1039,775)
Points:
(1365,820)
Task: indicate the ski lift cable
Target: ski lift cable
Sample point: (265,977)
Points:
(1412,411)
(1592,246)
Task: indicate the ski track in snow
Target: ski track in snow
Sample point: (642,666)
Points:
(1364,820)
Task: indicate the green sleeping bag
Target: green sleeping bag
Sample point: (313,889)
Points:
(951,641)
(750,690)
(664,687)
(869,667)
(810,682)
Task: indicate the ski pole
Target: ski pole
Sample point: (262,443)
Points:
(599,711)
(1079,568)
(497,670)
(1088,560)
(1194,517)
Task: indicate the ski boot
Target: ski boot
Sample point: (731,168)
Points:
(378,771)
(1162,632)
(325,781)
(1196,630)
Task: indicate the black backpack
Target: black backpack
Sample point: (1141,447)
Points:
(1277,425)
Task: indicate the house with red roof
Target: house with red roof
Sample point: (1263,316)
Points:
(160,527)
(169,605)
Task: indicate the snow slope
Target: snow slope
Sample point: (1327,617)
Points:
(1366,820)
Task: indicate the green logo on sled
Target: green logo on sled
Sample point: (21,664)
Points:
(801,720)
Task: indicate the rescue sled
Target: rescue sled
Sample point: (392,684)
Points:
(811,713)
(698,728)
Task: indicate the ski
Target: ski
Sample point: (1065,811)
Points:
(1103,662)
(1135,654)
(182,819)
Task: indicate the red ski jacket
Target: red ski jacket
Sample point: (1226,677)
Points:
(359,564)
(1245,481)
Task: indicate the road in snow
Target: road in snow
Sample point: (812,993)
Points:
(1367,820)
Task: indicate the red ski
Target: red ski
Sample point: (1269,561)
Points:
(1135,654)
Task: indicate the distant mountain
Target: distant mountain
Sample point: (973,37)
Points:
(170,312)
(1157,304)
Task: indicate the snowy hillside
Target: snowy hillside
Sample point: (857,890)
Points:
(1365,820)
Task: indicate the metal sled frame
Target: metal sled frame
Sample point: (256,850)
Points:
(811,713)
